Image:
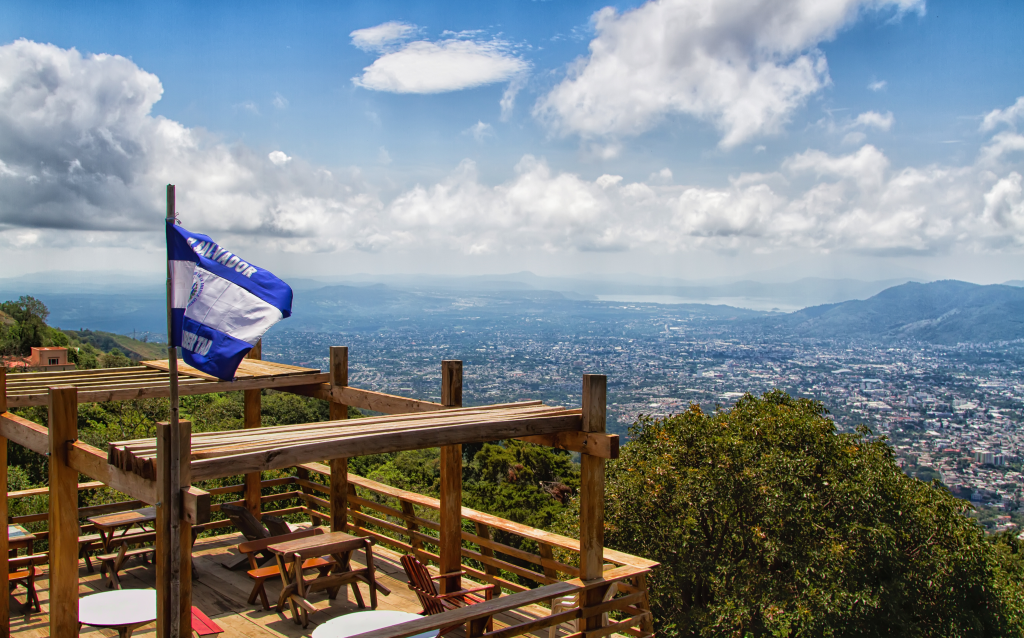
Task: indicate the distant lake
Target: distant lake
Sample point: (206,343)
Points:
(750,303)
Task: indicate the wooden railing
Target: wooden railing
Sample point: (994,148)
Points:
(405,521)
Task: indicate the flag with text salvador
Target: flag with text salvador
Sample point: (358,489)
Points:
(221,305)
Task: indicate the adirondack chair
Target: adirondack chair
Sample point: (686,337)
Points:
(252,529)
(277,525)
(421,582)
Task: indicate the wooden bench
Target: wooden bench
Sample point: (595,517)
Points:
(202,625)
(250,549)
(111,564)
(22,571)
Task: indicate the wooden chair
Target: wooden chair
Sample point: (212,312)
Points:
(22,571)
(252,529)
(421,582)
(277,526)
(249,549)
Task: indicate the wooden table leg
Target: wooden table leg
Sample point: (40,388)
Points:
(345,565)
(300,588)
(370,575)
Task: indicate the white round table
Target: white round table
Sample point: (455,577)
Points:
(123,609)
(362,621)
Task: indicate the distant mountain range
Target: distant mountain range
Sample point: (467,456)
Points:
(941,312)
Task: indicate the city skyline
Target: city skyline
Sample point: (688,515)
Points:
(865,139)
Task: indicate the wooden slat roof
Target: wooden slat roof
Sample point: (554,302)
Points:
(218,454)
(148,381)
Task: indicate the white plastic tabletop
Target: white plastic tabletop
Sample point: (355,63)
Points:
(362,621)
(118,608)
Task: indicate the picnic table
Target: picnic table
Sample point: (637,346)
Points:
(339,545)
(363,621)
(108,524)
(19,538)
(122,609)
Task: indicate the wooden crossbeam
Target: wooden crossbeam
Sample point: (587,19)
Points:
(381,442)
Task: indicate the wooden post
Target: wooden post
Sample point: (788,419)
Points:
(592,495)
(450,544)
(253,489)
(63,422)
(5,601)
(339,467)
(168,531)
(185,478)
(484,532)
(409,510)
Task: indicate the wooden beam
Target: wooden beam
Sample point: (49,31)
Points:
(605,446)
(450,545)
(252,419)
(5,604)
(339,466)
(168,529)
(185,537)
(187,387)
(592,495)
(27,434)
(380,443)
(380,402)
(88,460)
(63,519)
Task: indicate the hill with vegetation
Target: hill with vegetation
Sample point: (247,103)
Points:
(940,312)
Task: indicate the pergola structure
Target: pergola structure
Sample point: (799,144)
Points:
(160,472)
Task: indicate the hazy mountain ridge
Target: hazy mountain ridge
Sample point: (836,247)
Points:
(941,312)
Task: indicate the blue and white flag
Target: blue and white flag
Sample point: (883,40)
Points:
(221,305)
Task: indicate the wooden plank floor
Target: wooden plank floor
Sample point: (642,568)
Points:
(221,594)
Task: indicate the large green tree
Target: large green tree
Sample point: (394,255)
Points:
(768,522)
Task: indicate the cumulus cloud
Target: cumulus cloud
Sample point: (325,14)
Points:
(423,66)
(279,158)
(480,131)
(743,66)
(882,122)
(81,151)
(1006,117)
(877,85)
(382,36)
(280,102)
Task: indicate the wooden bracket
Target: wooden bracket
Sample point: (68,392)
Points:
(605,446)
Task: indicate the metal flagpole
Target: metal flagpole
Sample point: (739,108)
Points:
(174,568)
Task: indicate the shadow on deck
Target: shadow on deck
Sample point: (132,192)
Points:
(221,594)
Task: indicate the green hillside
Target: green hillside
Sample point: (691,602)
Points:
(107,341)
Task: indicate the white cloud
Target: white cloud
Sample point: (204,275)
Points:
(1007,116)
(875,120)
(383,35)
(279,158)
(480,131)
(280,102)
(508,98)
(82,152)
(877,85)
(742,65)
(249,106)
(443,66)
(854,138)
(383,156)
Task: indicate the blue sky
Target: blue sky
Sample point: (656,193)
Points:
(688,138)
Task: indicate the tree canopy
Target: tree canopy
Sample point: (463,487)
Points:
(767,521)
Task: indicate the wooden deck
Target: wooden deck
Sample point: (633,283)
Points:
(221,594)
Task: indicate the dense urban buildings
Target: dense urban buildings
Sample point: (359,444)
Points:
(951,413)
